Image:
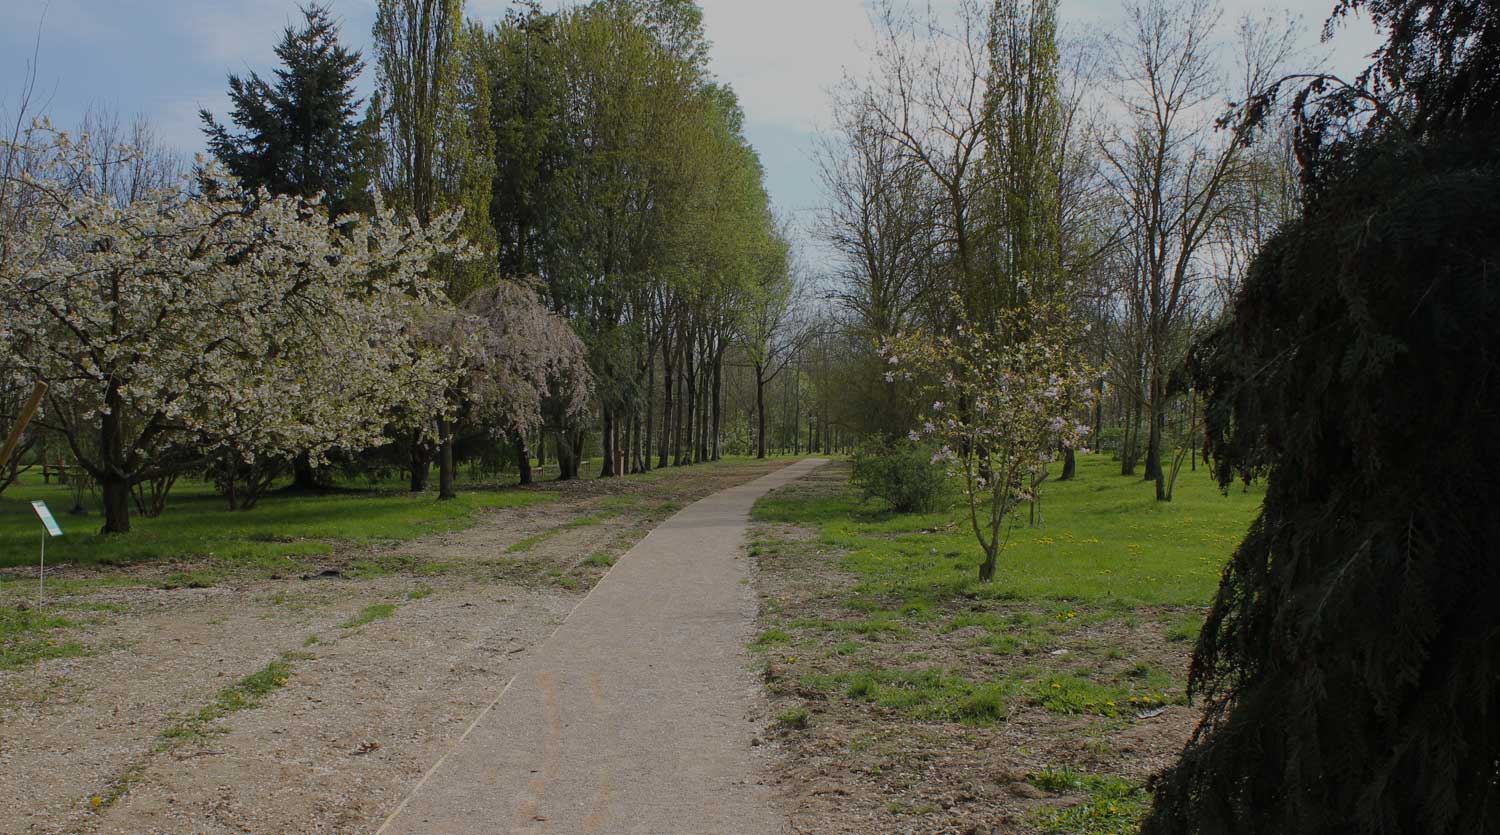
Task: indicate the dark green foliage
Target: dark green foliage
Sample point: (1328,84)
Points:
(298,135)
(903,474)
(1350,665)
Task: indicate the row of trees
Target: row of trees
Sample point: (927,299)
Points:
(548,235)
(989,163)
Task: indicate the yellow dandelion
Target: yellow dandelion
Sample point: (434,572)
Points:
(96,801)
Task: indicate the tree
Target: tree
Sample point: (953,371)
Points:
(1171,172)
(433,101)
(998,402)
(300,134)
(523,354)
(1347,666)
(928,97)
(770,338)
(176,329)
(1023,124)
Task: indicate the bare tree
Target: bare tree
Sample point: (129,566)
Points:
(928,96)
(879,219)
(1173,172)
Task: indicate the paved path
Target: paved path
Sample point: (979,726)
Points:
(634,717)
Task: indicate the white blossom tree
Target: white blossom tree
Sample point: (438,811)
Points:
(177,328)
(524,357)
(999,404)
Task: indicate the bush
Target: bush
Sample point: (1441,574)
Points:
(902,474)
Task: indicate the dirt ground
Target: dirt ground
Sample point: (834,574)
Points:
(377,658)
(850,766)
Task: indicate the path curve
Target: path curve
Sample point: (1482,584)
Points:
(634,716)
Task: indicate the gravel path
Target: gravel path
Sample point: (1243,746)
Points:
(637,715)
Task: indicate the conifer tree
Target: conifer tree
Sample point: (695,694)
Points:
(1350,665)
(299,134)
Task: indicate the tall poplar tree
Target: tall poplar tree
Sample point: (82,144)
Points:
(1023,133)
(436,150)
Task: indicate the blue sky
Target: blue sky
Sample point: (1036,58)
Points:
(167,58)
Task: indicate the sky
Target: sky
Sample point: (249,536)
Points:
(165,59)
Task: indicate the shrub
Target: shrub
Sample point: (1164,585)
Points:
(902,474)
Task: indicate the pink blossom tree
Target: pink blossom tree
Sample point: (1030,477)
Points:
(998,404)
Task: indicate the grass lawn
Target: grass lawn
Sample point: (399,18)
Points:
(196,525)
(875,629)
(274,535)
(1104,539)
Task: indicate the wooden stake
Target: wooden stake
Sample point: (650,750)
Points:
(26,413)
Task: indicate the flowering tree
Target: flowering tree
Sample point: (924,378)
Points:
(178,328)
(523,354)
(999,405)
(505,353)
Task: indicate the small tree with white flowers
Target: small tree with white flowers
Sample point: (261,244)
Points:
(999,404)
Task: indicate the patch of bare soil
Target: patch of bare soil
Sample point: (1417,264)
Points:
(366,667)
(847,762)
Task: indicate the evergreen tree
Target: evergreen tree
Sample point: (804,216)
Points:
(299,134)
(1350,665)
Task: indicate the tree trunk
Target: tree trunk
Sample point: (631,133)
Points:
(667,378)
(304,477)
(1130,439)
(649,433)
(797,411)
(607,470)
(987,568)
(690,415)
(1098,412)
(541,449)
(116,494)
(523,459)
(716,450)
(1156,421)
(1070,465)
(639,439)
(700,452)
(421,463)
(567,455)
(113,484)
(445,462)
(760,413)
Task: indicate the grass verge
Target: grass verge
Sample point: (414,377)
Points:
(916,679)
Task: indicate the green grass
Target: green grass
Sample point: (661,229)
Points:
(530,542)
(924,694)
(1113,805)
(600,560)
(370,614)
(25,638)
(244,694)
(1105,541)
(796,718)
(275,534)
(1074,694)
(1185,627)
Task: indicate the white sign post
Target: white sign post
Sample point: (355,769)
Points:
(51,530)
